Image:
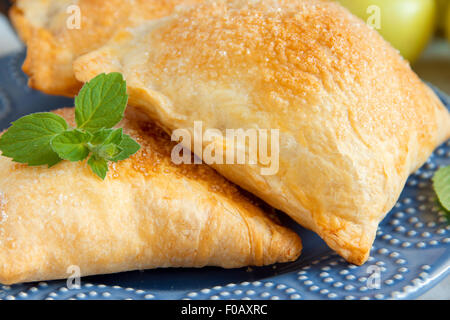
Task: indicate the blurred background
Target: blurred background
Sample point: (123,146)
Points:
(419,29)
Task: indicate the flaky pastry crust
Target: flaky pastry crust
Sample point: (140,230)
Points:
(354,119)
(147,213)
(52,46)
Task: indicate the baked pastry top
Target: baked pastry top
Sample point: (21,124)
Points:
(147,213)
(354,119)
(53,41)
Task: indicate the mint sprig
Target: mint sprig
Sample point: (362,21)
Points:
(28,139)
(441,185)
(46,138)
(72,144)
(101,102)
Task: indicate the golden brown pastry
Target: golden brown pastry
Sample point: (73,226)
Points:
(147,213)
(52,45)
(354,120)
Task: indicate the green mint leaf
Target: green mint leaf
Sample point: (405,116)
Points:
(105,136)
(128,146)
(72,145)
(99,166)
(106,142)
(44,138)
(101,102)
(28,139)
(441,185)
(109,151)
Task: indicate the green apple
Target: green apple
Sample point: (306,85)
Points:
(447,28)
(442,6)
(407,24)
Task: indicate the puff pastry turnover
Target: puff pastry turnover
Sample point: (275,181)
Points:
(354,119)
(147,213)
(48,28)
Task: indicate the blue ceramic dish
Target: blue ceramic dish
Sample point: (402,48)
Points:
(410,255)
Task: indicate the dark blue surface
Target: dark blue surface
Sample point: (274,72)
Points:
(411,252)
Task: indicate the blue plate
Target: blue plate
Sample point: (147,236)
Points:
(410,255)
